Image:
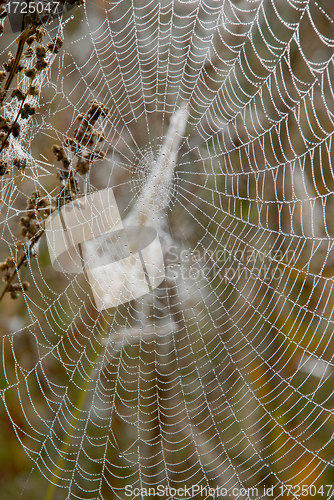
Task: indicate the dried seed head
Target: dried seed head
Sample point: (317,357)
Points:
(4,124)
(42,203)
(16,130)
(40,34)
(8,65)
(28,53)
(78,134)
(32,230)
(33,90)
(30,72)
(6,276)
(27,111)
(25,222)
(20,163)
(40,51)
(58,151)
(24,232)
(3,266)
(82,166)
(10,262)
(99,155)
(41,64)
(96,110)
(30,40)
(66,163)
(62,175)
(55,45)
(72,144)
(20,245)
(18,94)
(4,143)
(3,167)
(35,194)
(14,294)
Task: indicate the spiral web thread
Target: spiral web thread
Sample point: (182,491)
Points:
(223,375)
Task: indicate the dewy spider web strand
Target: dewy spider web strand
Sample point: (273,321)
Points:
(221,376)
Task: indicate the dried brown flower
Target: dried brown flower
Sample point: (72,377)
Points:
(30,72)
(30,40)
(3,266)
(58,151)
(96,110)
(4,124)
(3,167)
(55,45)
(40,51)
(14,294)
(28,53)
(20,163)
(16,129)
(27,111)
(8,65)
(25,285)
(18,94)
(10,262)
(40,34)
(82,166)
(6,276)
(4,143)
(41,64)
(33,90)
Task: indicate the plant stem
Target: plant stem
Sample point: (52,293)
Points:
(26,33)
(19,51)
(15,120)
(21,261)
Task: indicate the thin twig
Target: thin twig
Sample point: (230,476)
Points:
(18,56)
(21,261)
(26,33)
(13,124)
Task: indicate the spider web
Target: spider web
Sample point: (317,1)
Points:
(222,376)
